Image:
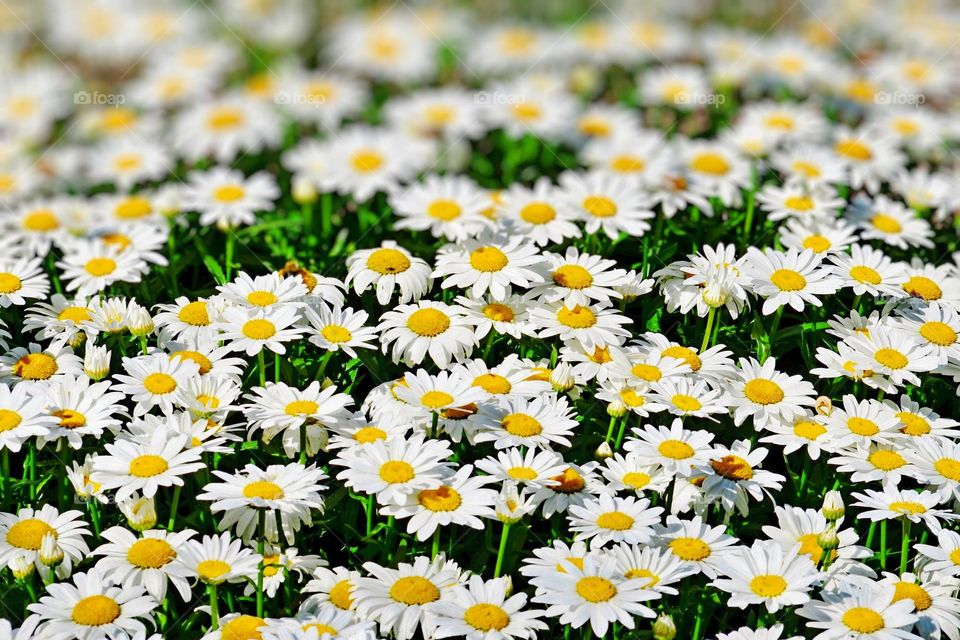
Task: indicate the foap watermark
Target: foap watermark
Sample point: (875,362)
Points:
(299,98)
(899,98)
(696,99)
(99,98)
(498,98)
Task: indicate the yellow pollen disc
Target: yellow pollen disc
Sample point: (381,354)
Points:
(320,629)
(538,213)
(631,398)
(445,210)
(396,472)
(301,408)
(526,111)
(572,276)
(955,556)
(210,402)
(923,287)
(808,429)
(203,362)
(388,261)
(70,419)
(710,162)
(488,259)
(938,333)
(258,329)
(522,425)
(133,207)
(862,426)
(763,391)
(788,280)
(340,595)
(211,570)
(41,220)
(914,425)
(9,420)
(808,169)
(596,589)
(642,574)
(224,117)
(147,466)
(647,372)
(768,586)
(498,312)
(436,399)
(414,590)
(864,274)
(817,243)
(949,468)
(886,224)
(74,314)
(675,449)
(35,366)
(600,207)
(690,549)
(194,313)
(799,203)
(366,435)
(492,383)
(150,553)
(127,162)
(261,298)
(686,403)
(594,126)
(627,164)
(321,91)
(854,149)
(428,322)
(905,126)
(9,283)
(907,507)
(579,317)
(366,161)
(863,620)
(160,383)
(569,481)
(439,115)
(242,628)
(910,591)
(615,521)
(685,354)
(336,334)
(29,533)
(440,499)
(781,121)
(891,358)
(263,489)
(98,267)
(486,617)
(522,473)
(809,547)
(94,611)
(886,460)
(732,467)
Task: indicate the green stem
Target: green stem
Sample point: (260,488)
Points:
(173,508)
(435,547)
(623,429)
(369,504)
(905,545)
(228,256)
(94,510)
(504,535)
(260,545)
(883,544)
(214,610)
(613,421)
(262,368)
(303,443)
(706,332)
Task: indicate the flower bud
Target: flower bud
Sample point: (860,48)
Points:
(50,552)
(832,506)
(617,409)
(828,539)
(304,191)
(604,451)
(20,567)
(664,628)
(509,506)
(141,513)
(96,361)
(824,406)
(139,321)
(562,377)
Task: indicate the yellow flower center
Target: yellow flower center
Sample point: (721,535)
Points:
(538,213)
(596,589)
(160,383)
(203,362)
(799,203)
(194,313)
(396,472)
(955,556)
(865,274)
(94,611)
(428,322)
(600,206)
(914,425)
(388,261)
(817,243)
(808,169)
(148,466)
(732,467)
(762,391)
(886,460)
(9,283)
(488,259)
(594,126)
(258,329)
(436,399)
(366,435)
(366,161)
(788,280)
(414,590)
(74,314)
(631,398)
(28,534)
(675,449)
(690,549)
(891,358)
(938,333)
(263,489)
(710,162)
(70,419)
(212,570)
(301,408)
(642,574)
(636,479)
(923,287)
(526,111)
(224,117)
(568,482)
(441,499)
(615,521)
(862,426)
(133,207)
(100,267)
(40,220)
(808,429)
(522,425)
(439,115)
(336,334)
(647,372)
(522,473)
(949,468)
(340,595)
(242,628)
(445,210)
(685,354)
(261,298)
(911,591)
(498,312)
(887,224)
(572,276)
(863,620)
(686,402)
(35,366)
(768,585)
(907,507)
(486,617)
(9,420)
(150,553)
(627,164)
(492,383)
(854,149)
(579,317)
(127,162)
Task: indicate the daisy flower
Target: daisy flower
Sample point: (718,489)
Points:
(146,562)
(798,526)
(264,292)
(868,271)
(937,461)
(610,519)
(897,357)
(224,128)
(878,463)
(153,380)
(23,415)
(892,503)
(434,394)
(942,559)
(33,365)
(613,204)
(218,559)
(533,468)
(388,267)
(686,397)
(890,221)
(21,535)
(766,394)
(22,279)
(482,610)
(450,207)
(188,320)
(934,324)
(934,602)
(159,461)
(805,430)
(628,474)
(591,325)
(821,237)
(793,278)
(766,574)
(543,422)
(490,263)
(869,156)
(861,612)
(701,547)
(538,213)
(675,449)
(733,476)
(574,486)
(81,408)
(254,332)
(578,279)
(413,331)
(90,266)
(509,315)
(794,200)
(339,329)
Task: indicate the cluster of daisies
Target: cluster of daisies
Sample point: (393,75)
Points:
(420,323)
